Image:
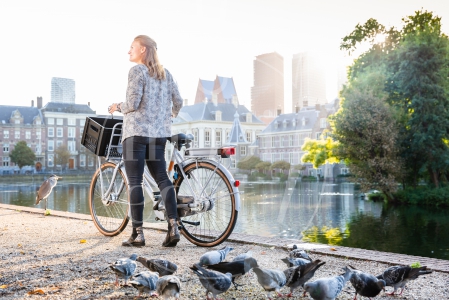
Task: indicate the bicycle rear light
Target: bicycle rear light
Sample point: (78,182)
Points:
(227,151)
(237,183)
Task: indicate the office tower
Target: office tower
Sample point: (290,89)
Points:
(267,94)
(308,81)
(62,90)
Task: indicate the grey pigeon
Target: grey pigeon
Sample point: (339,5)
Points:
(270,279)
(398,276)
(366,285)
(215,282)
(298,253)
(145,282)
(293,262)
(298,275)
(162,266)
(124,268)
(236,268)
(168,286)
(243,256)
(214,257)
(327,288)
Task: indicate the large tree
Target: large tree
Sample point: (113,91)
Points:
(248,163)
(62,156)
(22,155)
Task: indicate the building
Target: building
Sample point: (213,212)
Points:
(222,88)
(308,81)
(21,123)
(267,94)
(212,124)
(62,90)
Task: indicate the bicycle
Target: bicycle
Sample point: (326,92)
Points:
(208,198)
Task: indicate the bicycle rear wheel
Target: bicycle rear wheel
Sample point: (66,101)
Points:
(110,215)
(213,225)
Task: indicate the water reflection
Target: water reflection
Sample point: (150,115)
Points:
(317,212)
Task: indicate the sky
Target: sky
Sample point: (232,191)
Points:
(88,41)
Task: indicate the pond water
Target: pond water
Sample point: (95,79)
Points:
(320,212)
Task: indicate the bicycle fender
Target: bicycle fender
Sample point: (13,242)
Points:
(226,172)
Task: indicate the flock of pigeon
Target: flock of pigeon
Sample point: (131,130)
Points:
(217,275)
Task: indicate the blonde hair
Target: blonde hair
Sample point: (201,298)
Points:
(150,58)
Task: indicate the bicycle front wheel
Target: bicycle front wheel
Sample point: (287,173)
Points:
(109,212)
(213,222)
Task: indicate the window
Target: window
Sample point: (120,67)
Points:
(207,138)
(249,117)
(82,160)
(17,134)
(249,136)
(59,122)
(273,141)
(233,163)
(71,146)
(38,149)
(51,160)
(58,144)
(71,121)
(82,122)
(81,131)
(243,151)
(5,147)
(291,158)
(323,123)
(273,157)
(90,160)
(344,171)
(303,121)
(59,131)
(38,121)
(71,132)
(218,138)
(195,138)
(6,134)
(38,135)
(27,135)
(318,135)
(51,132)
(17,121)
(290,140)
(50,121)
(276,125)
(228,133)
(218,115)
(6,161)
(51,145)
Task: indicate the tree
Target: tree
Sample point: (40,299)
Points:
(22,155)
(263,166)
(320,152)
(249,163)
(62,155)
(281,164)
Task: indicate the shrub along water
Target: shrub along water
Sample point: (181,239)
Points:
(424,195)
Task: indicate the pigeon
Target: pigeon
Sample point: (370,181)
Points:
(327,288)
(298,275)
(214,257)
(292,262)
(298,253)
(215,282)
(145,282)
(168,286)
(243,256)
(124,268)
(398,276)
(236,268)
(366,285)
(270,280)
(162,266)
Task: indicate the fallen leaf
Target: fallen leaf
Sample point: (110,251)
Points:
(333,249)
(83,241)
(54,288)
(19,245)
(3,286)
(47,212)
(263,253)
(35,292)
(21,252)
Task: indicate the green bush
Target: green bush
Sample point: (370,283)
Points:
(294,174)
(282,176)
(424,195)
(308,178)
(376,197)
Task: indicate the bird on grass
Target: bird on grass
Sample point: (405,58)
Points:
(327,288)
(298,275)
(213,281)
(168,286)
(46,188)
(162,266)
(270,279)
(145,282)
(398,276)
(366,285)
(236,268)
(215,256)
(124,268)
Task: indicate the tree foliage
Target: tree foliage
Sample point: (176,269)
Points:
(320,151)
(249,163)
(62,155)
(263,166)
(22,155)
(281,164)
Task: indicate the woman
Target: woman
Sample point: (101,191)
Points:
(152,98)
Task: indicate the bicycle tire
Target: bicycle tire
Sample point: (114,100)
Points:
(111,216)
(218,223)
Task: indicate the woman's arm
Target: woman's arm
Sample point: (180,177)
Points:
(134,91)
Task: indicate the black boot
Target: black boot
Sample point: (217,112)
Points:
(136,239)
(173,236)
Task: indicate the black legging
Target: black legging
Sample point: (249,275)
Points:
(136,151)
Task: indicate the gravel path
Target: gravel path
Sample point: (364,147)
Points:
(49,257)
